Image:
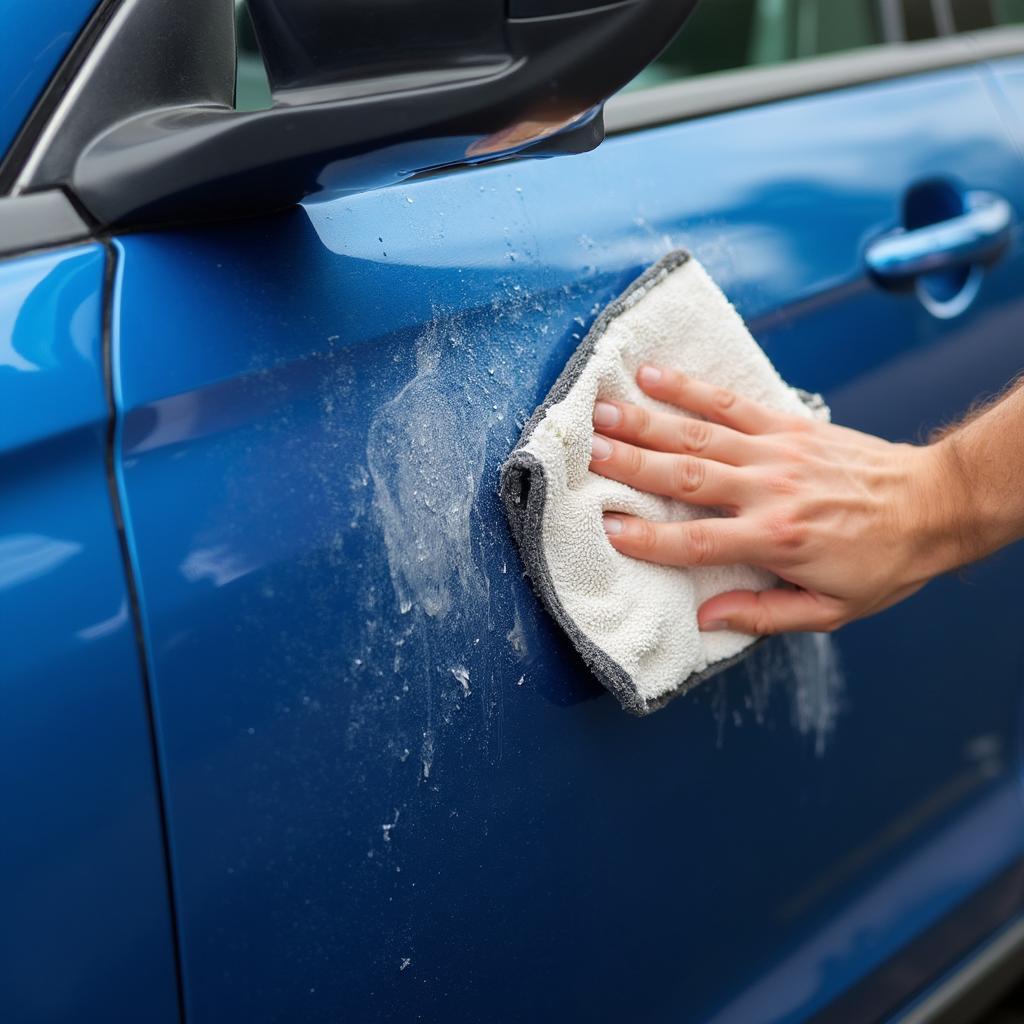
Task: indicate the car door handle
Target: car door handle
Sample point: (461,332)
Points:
(975,236)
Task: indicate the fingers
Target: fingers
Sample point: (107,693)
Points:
(701,542)
(770,611)
(683,477)
(714,403)
(725,542)
(667,432)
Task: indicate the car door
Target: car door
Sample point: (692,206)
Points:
(86,931)
(392,789)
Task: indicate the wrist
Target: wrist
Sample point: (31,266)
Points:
(938,512)
(959,522)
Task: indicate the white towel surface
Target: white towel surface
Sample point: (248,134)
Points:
(634,623)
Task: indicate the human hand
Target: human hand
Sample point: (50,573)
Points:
(853,522)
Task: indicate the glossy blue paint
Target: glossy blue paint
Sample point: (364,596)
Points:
(85,931)
(43,34)
(394,792)
(1006,80)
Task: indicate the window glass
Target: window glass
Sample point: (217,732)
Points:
(919,20)
(723,34)
(1008,11)
(252,88)
(969,15)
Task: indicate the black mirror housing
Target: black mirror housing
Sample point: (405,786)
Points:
(308,44)
(366,93)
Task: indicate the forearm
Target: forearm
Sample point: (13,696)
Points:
(982,474)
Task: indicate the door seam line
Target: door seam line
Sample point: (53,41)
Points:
(134,605)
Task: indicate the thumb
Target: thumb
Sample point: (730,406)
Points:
(769,611)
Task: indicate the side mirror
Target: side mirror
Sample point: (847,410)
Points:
(366,93)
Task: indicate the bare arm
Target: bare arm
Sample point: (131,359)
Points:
(986,454)
(853,522)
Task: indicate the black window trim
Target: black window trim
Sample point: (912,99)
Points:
(723,91)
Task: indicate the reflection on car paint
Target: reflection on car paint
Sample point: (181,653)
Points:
(26,556)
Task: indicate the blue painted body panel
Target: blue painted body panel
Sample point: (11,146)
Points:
(1007,83)
(43,34)
(86,931)
(393,790)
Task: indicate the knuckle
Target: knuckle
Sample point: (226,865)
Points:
(677,383)
(784,482)
(695,435)
(793,453)
(831,622)
(642,423)
(723,398)
(688,474)
(644,536)
(761,622)
(632,459)
(698,544)
(786,531)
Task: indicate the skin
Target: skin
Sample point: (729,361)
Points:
(851,522)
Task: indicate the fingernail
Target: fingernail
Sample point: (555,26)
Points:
(649,375)
(713,625)
(612,525)
(600,448)
(606,414)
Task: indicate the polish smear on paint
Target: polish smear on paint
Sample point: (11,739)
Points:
(805,666)
(425,451)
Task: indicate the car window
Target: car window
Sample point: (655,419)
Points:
(923,19)
(969,15)
(726,34)
(252,88)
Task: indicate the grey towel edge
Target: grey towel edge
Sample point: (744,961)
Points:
(525,515)
(523,491)
(572,370)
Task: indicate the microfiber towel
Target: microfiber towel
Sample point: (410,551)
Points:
(634,623)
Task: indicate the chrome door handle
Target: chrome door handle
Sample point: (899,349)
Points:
(975,236)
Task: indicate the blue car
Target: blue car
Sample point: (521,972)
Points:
(284,735)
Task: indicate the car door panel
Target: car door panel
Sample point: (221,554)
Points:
(1007,83)
(87,931)
(392,787)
